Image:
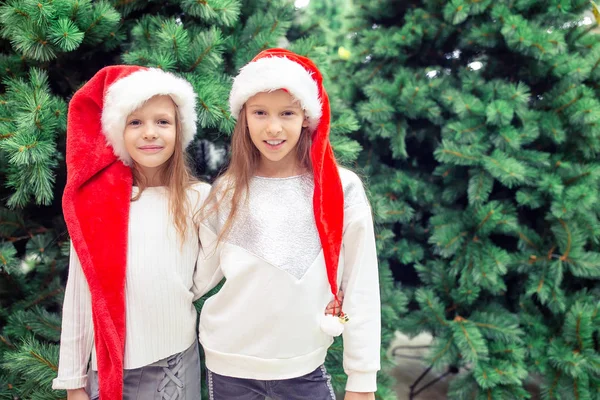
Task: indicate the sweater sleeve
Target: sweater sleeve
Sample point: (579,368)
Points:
(360,282)
(208,272)
(77,333)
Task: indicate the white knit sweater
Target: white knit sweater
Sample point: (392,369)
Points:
(160,316)
(265,321)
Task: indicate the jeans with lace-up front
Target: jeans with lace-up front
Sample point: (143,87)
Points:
(174,378)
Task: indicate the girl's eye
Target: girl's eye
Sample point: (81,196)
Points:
(260,113)
(135,122)
(163,122)
(288,113)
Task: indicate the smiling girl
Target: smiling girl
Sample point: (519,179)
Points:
(287,228)
(128,204)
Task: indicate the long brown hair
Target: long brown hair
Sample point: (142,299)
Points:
(176,175)
(234,183)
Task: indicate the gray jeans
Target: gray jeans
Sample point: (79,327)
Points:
(174,378)
(315,385)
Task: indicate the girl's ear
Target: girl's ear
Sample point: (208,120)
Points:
(305,122)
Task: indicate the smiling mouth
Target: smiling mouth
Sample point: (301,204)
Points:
(274,144)
(150,149)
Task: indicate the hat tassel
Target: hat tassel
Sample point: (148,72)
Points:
(333,325)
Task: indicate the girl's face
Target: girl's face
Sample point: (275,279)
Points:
(275,121)
(150,133)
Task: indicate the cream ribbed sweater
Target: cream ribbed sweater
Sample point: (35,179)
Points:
(161,319)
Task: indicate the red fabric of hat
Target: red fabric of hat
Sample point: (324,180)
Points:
(96,209)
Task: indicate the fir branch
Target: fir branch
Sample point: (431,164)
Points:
(564,106)
(461,322)
(574,179)
(445,350)
(94,23)
(200,58)
(595,66)
(458,154)
(565,255)
(43,360)
(6,342)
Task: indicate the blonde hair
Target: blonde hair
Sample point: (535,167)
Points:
(176,175)
(234,183)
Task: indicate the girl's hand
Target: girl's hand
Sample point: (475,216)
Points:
(332,307)
(77,394)
(359,396)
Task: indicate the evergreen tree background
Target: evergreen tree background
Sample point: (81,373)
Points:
(474,124)
(479,123)
(48,49)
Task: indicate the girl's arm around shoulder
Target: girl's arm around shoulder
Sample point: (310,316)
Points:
(360,282)
(77,333)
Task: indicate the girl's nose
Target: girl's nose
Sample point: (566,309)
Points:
(149,132)
(274,127)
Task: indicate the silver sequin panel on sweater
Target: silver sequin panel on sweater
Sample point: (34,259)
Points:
(277,222)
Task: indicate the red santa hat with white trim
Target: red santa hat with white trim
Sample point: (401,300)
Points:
(97,196)
(275,69)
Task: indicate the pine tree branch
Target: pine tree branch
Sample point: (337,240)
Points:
(7,135)
(458,154)
(569,238)
(576,178)
(16,239)
(375,71)
(455,238)
(564,106)
(440,320)
(444,350)
(585,32)
(487,217)
(44,361)
(461,320)
(44,297)
(571,87)
(527,240)
(541,283)
(578,333)
(200,58)
(6,342)
(94,23)
(473,129)
(595,66)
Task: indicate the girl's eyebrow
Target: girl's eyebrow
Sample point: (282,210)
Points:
(290,105)
(159,115)
(167,115)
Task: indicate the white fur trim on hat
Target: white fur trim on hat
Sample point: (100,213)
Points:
(129,93)
(273,73)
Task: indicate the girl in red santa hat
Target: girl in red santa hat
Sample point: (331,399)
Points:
(128,204)
(287,228)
